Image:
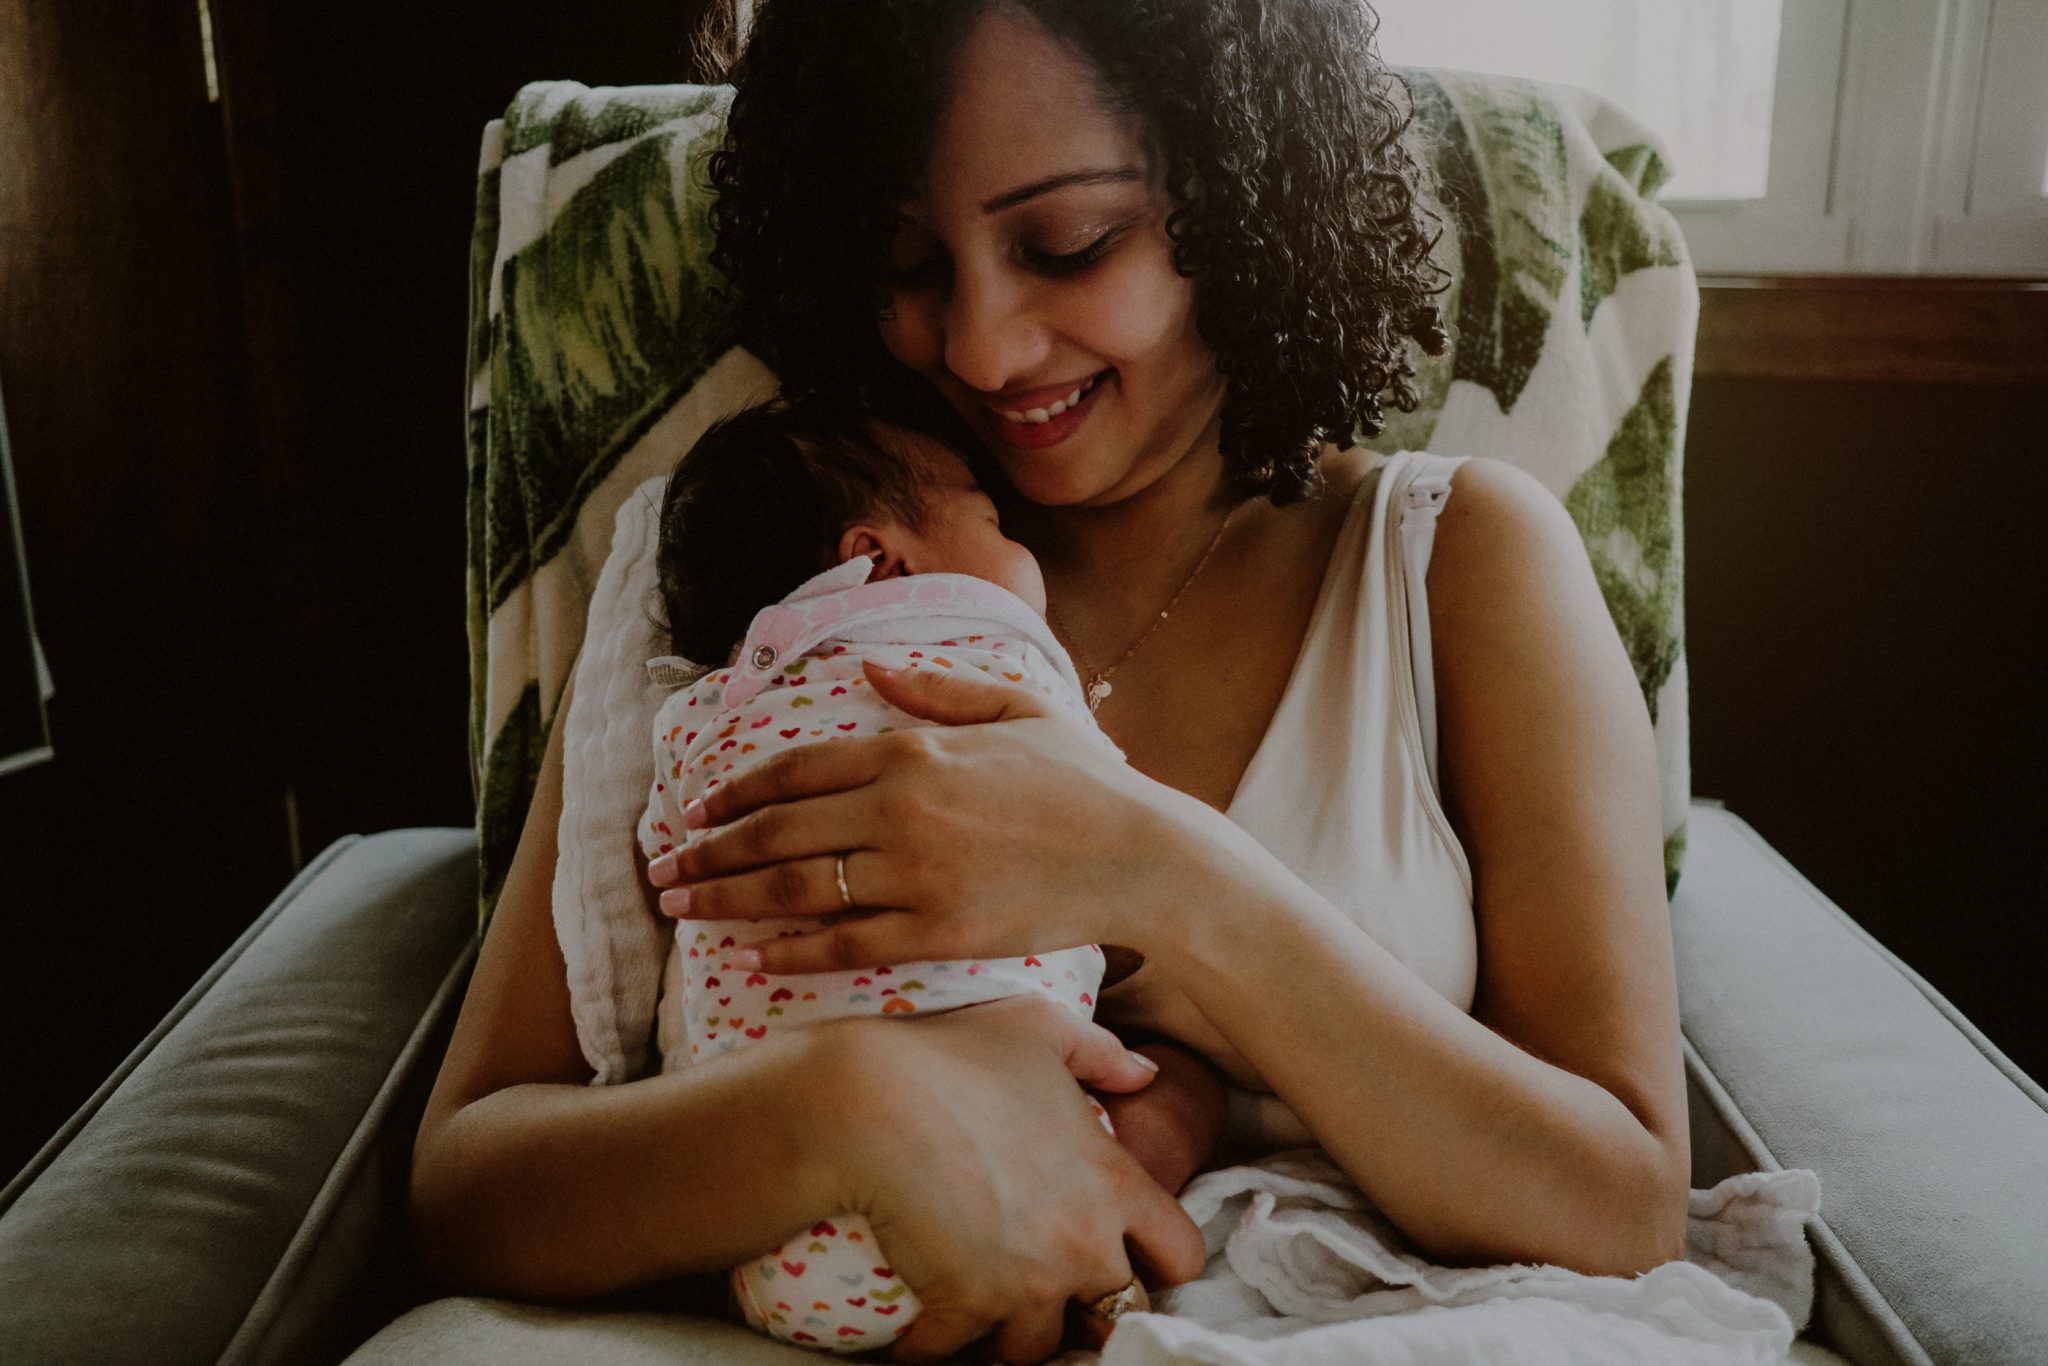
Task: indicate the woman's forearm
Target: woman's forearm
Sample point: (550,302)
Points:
(555,1192)
(1478,1150)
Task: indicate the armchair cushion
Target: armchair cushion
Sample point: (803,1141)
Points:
(229,1194)
(1810,1045)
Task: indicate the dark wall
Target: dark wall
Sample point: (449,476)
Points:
(363,175)
(231,344)
(140,850)
(1867,630)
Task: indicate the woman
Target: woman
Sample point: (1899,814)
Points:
(994,203)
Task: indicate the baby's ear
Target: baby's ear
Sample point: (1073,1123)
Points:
(884,543)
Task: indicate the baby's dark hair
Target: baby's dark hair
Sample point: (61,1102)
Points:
(758,506)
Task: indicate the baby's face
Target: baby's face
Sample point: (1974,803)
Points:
(962,534)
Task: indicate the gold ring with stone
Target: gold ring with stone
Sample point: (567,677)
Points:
(1117,1303)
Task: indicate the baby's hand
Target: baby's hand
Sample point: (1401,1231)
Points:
(1172,1125)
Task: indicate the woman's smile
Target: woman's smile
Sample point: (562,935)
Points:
(1029,422)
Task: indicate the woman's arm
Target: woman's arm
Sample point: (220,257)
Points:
(528,1182)
(1550,1124)
(962,1138)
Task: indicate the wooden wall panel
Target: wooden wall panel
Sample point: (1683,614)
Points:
(1867,635)
(1914,330)
(157,831)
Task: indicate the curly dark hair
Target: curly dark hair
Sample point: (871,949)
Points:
(1296,207)
(757,507)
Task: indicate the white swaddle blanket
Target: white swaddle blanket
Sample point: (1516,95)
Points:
(1302,1270)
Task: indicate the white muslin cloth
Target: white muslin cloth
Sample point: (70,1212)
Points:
(1303,1271)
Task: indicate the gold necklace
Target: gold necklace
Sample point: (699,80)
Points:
(1098,685)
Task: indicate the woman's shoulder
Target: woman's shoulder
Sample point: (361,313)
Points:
(1527,658)
(1499,526)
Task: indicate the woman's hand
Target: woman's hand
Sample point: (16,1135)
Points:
(961,840)
(987,1179)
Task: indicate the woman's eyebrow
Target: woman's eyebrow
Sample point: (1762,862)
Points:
(1012,198)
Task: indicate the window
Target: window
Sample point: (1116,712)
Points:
(1698,72)
(1824,136)
(1990,209)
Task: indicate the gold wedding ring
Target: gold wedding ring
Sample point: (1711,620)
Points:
(839,872)
(1117,1303)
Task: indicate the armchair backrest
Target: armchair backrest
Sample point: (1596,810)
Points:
(599,351)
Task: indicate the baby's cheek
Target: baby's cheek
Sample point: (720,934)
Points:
(1024,578)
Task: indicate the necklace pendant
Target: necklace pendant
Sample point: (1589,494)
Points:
(1097,690)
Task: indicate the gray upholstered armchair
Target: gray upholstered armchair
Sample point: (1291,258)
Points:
(235,1190)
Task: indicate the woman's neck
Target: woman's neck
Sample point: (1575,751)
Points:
(1119,562)
(1138,543)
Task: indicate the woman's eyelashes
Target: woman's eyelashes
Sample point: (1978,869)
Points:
(933,267)
(1072,262)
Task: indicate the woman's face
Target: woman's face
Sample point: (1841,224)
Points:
(1033,265)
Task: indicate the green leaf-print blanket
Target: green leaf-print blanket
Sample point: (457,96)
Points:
(598,351)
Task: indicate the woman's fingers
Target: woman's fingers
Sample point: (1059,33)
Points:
(1092,1330)
(862,941)
(805,771)
(1030,1335)
(1094,1056)
(938,1334)
(827,824)
(1164,1238)
(808,886)
(955,697)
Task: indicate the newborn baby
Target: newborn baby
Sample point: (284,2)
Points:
(795,543)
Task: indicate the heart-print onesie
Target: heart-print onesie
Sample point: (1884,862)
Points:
(797,680)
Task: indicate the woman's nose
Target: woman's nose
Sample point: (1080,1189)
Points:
(993,336)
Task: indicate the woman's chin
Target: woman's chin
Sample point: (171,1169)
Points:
(1051,478)
(1080,487)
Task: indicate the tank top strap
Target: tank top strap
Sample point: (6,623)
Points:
(1422,497)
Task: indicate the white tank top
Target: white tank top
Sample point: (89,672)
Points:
(1343,788)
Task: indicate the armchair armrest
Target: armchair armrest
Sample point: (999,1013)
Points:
(1810,1045)
(230,1193)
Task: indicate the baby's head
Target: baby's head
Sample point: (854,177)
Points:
(777,494)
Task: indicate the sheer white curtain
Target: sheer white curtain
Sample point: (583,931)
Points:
(1700,72)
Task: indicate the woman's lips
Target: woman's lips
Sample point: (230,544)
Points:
(1033,436)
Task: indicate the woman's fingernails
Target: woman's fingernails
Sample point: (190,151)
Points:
(1145,1062)
(746,960)
(662,871)
(693,815)
(676,902)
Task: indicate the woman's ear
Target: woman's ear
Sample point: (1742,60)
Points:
(885,543)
